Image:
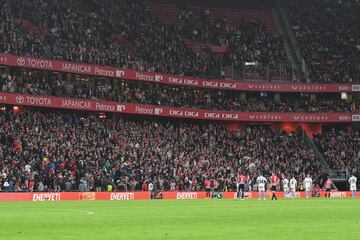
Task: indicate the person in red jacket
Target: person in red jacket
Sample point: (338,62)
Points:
(144,187)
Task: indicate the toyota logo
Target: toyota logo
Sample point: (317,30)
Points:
(19,99)
(20,61)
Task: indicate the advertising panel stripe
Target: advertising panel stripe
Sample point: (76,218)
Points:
(112,72)
(130,108)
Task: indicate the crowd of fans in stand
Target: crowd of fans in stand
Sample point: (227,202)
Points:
(340,148)
(162,95)
(250,41)
(87,153)
(328,33)
(86,31)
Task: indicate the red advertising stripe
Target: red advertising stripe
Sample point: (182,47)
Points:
(129,196)
(129,108)
(88,69)
(15,197)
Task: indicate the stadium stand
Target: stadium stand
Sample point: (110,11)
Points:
(75,31)
(341,148)
(77,152)
(55,150)
(328,36)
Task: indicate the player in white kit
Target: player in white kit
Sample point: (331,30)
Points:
(308,183)
(352,182)
(261,181)
(293,184)
(286,186)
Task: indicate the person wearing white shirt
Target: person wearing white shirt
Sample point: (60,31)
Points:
(261,181)
(293,184)
(308,183)
(352,182)
(286,186)
(151,189)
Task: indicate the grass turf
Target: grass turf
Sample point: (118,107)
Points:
(182,219)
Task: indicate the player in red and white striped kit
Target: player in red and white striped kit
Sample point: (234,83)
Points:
(241,181)
(328,185)
(207,184)
(274,181)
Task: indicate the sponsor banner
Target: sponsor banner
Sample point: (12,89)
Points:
(106,71)
(289,195)
(129,196)
(184,195)
(233,195)
(49,196)
(90,196)
(356,88)
(130,108)
(122,196)
(337,194)
(356,118)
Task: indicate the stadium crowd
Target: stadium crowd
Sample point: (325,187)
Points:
(340,148)
(126,34)
(249,41)
(90,31)
(328,35)
(87,153)
(67,152)
(163,95)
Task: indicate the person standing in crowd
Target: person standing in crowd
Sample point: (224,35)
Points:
(57,187)
(151,189)
(109,187)
(40,187)
(98,184)
(216,186)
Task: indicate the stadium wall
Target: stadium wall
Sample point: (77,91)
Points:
(129,196)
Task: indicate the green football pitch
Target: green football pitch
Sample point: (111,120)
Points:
(182,219)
